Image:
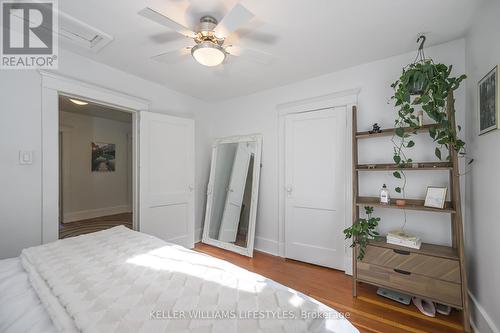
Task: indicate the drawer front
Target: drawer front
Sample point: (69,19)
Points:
(434,267)
(438,290)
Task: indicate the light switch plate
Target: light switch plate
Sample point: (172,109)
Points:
(25,157)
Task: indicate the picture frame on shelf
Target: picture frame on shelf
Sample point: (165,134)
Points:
(488,104)
(435,197)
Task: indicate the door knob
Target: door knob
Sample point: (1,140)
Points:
(289,189)
(191,188)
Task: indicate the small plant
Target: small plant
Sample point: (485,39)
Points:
(362,231)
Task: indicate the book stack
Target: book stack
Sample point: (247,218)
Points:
(403,239)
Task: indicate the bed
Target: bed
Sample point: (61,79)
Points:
(119,280)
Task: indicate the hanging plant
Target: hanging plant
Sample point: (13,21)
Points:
(426,85)
(362,231)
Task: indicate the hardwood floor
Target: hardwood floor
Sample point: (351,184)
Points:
(368,312)
(76,228)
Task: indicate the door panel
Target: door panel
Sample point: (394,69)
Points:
(315,187)
(167,177)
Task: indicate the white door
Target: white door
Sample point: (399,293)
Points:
(235,192)
(166,180)
(315,186)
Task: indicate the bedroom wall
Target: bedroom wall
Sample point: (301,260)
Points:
(20,129)
(257,113)
(482,222)
(90,194)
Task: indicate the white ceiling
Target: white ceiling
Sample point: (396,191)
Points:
(94,110)
(306,37)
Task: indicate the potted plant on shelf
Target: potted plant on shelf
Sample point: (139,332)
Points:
(362,231)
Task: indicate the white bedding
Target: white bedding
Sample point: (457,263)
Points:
(20,307)
(119,280)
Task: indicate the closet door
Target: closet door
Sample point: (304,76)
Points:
(315,186)
(166,183)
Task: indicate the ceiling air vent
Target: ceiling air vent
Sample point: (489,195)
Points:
(76,32)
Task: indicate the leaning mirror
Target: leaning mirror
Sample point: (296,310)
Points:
(232,194)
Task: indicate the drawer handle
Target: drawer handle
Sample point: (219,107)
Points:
(400,271)
(405,253)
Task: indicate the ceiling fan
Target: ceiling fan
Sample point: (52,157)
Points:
(210,37)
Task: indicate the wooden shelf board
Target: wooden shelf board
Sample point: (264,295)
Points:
(411,204)
(433,250)
(393,167)
(390,131)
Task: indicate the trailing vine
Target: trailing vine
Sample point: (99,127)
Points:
(362,231)
(424,85)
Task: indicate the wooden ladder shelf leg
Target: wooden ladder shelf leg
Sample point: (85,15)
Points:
(457,224)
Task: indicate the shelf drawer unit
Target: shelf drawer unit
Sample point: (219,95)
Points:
(431,277)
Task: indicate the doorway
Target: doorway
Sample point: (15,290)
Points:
(95,167)
(162,188)
(315,186)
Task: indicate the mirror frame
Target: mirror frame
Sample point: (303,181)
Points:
(246,251)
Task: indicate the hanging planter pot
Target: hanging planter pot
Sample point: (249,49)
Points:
(416,87)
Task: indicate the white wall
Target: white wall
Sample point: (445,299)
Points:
(20,129)
(482,222)
(90,194)
(257,113)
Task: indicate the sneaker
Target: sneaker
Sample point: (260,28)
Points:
(425,306)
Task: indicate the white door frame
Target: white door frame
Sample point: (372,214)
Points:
(54,85)
(347,98)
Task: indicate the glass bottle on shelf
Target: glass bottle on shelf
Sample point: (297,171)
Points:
(384,196)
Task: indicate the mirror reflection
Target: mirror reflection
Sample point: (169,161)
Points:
(232,192)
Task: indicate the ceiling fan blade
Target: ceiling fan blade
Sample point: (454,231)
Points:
(260,37)
(250,54)
(172,57)
(157,17)
(236,18)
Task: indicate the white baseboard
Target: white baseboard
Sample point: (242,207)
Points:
(92,213)
(481,322)
(266,245)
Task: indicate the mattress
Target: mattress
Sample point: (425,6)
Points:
(119,280)
(20,308)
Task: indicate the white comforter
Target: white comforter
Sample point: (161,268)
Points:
(119,280)
(20,307)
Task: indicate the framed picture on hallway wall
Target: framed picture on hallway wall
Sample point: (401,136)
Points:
(103,157)
(488,102)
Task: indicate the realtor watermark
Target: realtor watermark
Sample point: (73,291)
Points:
(29,34)
(247,315)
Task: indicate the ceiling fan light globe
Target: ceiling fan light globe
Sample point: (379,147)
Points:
(208,54)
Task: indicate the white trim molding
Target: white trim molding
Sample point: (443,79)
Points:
(480,319)
(96,212)
(266,245)
(93,92)
(347,98)
(341,98)
(54,85)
